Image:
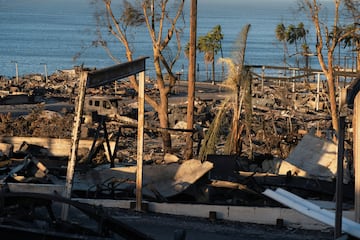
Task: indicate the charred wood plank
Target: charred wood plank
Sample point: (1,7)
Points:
(294,182)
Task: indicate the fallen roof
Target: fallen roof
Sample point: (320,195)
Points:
(158,180)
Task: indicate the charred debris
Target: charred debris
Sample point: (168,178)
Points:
(291,146)
(285,125)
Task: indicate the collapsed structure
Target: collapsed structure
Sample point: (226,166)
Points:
(307,165)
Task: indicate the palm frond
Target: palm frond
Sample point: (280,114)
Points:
(212,136)
(232,76)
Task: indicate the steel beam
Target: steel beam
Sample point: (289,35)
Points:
(107,75)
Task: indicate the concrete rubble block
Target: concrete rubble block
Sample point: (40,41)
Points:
(33,149)
(6,149)
(170,158)
(29,168)
(181,125)
(313,157)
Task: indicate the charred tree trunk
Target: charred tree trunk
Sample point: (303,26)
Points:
(191,78)
(213,68)
(162,108)
(330,41)
(248,109)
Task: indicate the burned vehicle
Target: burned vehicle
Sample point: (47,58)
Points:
(102,105)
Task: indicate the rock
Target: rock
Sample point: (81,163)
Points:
(180,125)
(170,158)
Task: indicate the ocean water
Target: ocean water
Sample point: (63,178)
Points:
(35,33)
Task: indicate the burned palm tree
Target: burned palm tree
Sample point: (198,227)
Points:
(211,138)
(239,80)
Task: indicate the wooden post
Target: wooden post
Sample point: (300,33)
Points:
(75,143)
(45,72)
(100,78)
(262,80)
(339,178)
(191,79)
(356,149)
(17,73)
(140,141)
(293,81)
(317,92)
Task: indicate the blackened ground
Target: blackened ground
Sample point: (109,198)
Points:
(161,227)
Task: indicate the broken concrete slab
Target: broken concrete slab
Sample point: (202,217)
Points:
(158,180)
(6,149)
(258,215)
(313,157)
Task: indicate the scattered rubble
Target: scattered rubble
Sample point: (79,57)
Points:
(290,144)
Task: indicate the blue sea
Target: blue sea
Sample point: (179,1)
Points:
(39,33)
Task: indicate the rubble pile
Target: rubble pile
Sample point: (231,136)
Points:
(289,144)
(279,120)
(281,117)
(39,123)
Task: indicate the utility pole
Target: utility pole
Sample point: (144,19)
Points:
(16,71)
(45,72)
(191,79)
